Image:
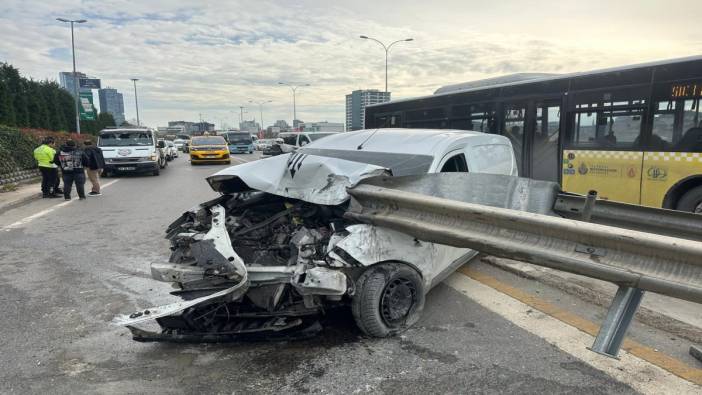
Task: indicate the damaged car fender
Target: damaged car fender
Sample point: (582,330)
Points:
(369,245)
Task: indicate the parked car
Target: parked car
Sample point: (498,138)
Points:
(209,149)
(275,251)
(131,150)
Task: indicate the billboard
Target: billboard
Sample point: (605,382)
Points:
(89,83)
(87,111)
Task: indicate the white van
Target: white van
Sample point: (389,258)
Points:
(131,150)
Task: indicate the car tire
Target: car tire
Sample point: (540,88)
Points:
(389,298)
(691,201)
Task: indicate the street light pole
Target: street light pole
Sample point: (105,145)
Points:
(294,89)
(387,50)
(136,100)
(75,77)
(260,108)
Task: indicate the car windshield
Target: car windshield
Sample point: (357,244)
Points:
(123,139)
(317,136)
(214,140)
(399,164)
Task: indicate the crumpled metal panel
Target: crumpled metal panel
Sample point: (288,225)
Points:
(311,178)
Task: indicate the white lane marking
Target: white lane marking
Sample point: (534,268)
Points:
(637,373)
(42,213)
(241,160)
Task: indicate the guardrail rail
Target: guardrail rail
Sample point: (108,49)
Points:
(524,219)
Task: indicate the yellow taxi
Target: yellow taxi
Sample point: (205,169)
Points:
(209,149)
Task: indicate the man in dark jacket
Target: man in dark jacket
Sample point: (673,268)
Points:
(72,162)
(96,162)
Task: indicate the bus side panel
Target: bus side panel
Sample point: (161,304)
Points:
(615,175)
(662,170)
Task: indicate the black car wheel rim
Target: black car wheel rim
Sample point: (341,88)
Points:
(397,301)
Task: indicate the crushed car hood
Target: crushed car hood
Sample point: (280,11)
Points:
(311,178)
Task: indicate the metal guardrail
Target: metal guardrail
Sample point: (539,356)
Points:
(533,233)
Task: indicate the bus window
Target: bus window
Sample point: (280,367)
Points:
(607,129)
(663,130)
(514,130)
(544,156)
(676,126)
(477,117)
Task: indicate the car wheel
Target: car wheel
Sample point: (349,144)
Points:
(691,201)
(389,298)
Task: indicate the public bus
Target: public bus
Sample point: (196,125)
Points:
(633,134)
(239,142)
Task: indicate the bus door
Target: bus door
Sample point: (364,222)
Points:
(514,129)
(603,148)
(544,141)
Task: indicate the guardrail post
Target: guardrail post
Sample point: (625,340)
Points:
(621,312)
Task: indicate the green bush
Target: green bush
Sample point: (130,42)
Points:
(16,150)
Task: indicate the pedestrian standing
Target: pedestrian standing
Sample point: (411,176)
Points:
(44,155)
(72,162)
(96,162)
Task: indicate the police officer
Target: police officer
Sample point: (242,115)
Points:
(44,155)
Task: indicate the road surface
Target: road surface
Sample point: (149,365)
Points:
(69,268)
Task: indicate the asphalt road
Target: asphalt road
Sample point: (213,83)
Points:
(68,270)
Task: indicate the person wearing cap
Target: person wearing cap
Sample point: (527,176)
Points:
(72,162)
(44,155)
(96,162)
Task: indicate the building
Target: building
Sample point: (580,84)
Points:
(323,127)
(356,104)
(112,102)
(297,124)
(172,130)
(201,127)
(250,126)
(282,125)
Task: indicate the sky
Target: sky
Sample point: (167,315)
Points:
(207,58)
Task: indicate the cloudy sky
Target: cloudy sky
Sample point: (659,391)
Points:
(210,57)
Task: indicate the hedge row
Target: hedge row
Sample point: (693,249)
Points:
(17,149)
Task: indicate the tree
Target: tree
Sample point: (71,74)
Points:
(7,110)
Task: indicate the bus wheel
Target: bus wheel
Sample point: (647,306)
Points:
(691,201)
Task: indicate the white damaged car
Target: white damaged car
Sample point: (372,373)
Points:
(275,250)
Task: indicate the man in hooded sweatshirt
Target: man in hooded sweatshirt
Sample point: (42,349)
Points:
(72,162)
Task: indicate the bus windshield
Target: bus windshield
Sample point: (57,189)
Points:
(124,139)
(238,138)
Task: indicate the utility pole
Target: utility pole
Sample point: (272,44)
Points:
(75,76)
(136,100)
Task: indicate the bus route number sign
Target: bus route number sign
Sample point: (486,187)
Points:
(684,91)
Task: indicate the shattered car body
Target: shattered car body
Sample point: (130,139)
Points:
(275,250)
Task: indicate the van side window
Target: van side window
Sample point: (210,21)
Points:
(455,164)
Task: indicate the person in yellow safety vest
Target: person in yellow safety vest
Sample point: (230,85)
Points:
(44,155)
